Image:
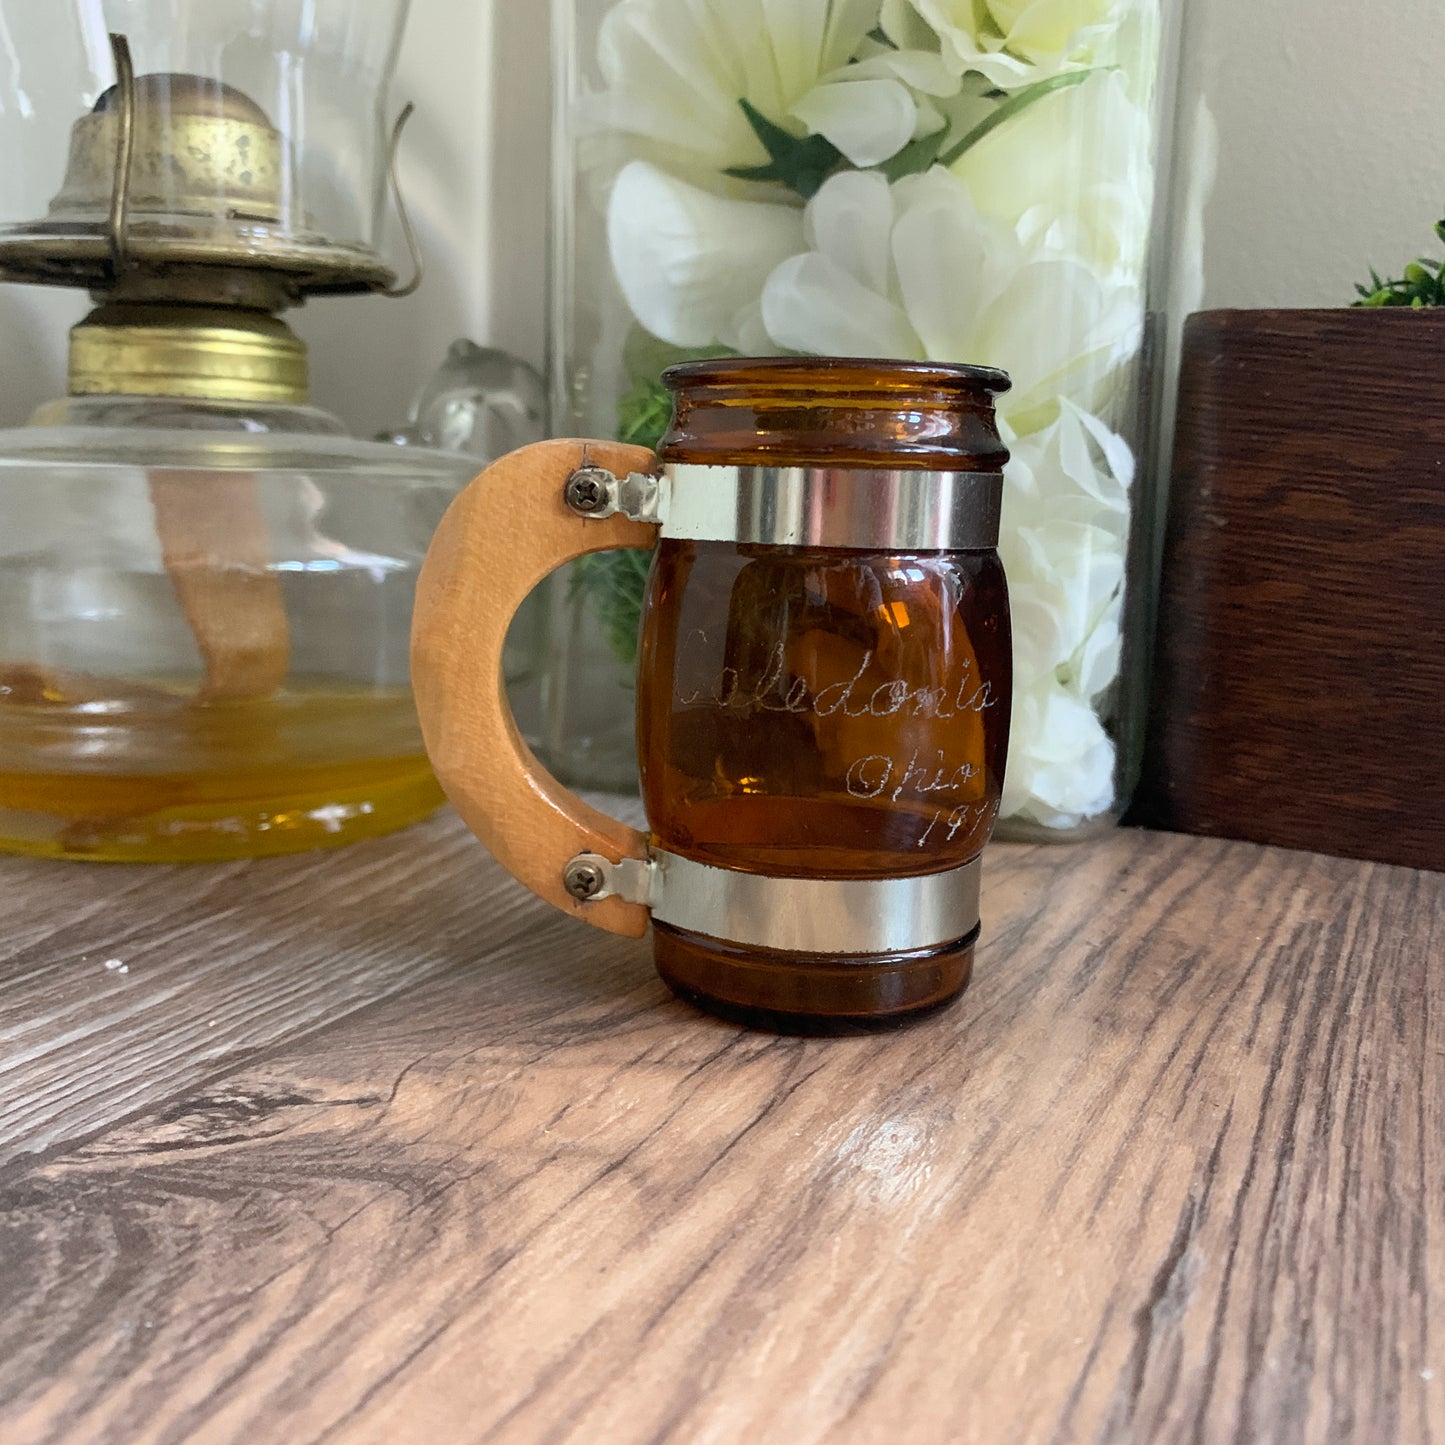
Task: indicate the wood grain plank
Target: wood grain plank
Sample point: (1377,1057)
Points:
(220,961)
(1172,1172)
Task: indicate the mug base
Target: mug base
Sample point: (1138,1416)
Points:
(796,993)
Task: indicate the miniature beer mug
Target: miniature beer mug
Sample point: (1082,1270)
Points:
(823,687)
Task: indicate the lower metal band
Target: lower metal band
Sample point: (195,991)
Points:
(863,508)
(837,918)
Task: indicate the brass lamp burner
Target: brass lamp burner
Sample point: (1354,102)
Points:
(201,148)
(168,173)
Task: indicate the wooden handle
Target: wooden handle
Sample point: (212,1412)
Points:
(508,531)
(217,550)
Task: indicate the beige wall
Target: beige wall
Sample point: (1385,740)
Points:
(1330,151)
(1330,160)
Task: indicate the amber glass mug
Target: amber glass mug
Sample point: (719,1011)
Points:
(823,686)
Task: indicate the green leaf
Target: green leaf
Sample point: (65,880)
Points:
(915,158)
(1422,285)
(645,357)
(615,585)
(612,585)
(802,163)
(776,140)
(643,415)
(1015,105)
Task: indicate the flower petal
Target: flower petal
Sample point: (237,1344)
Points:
(922,70)
(1063,578)
(850,221)
(1015,43)
(905,28)
(940,246)
(972,42)
(1049,27)
(1117,452)
(692,264)
(1061,761)
(1101,659)
(1063,473)
(868,120)
(674,81)
(674,71)
(849,23)
(1073,172)
(813,304)
(1059,331)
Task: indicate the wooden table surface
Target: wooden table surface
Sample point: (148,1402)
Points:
(371,1147)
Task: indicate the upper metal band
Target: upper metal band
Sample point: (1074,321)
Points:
(836,918)
(874,511)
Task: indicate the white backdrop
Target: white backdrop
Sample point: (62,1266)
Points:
(1330,160)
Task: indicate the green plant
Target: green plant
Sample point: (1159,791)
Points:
(643,414)
(1423,284)
(614,583)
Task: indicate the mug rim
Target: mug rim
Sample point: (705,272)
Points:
(858,369)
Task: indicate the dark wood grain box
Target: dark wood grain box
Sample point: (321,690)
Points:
(1299,695)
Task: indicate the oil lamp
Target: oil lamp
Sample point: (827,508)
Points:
(205,583)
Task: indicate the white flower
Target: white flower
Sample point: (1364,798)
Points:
(1015,43)
(1064,546)
(692,264)
(1097,665)
(1076,470)
(675,72)
(868,120)
(1061,761)
(1064,580)
(1048,27)
(914,270)
(1073,173)
(838,297)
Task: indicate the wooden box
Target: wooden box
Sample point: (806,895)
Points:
(1299,696)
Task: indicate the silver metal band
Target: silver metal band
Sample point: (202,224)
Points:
(833,917)
(856,508)
(837,918)
(870,510)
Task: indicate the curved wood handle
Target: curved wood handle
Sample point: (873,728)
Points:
(507,531)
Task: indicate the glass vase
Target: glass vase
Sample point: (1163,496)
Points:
(908,179)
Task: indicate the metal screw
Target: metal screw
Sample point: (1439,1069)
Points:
(588,491)
(583,880)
